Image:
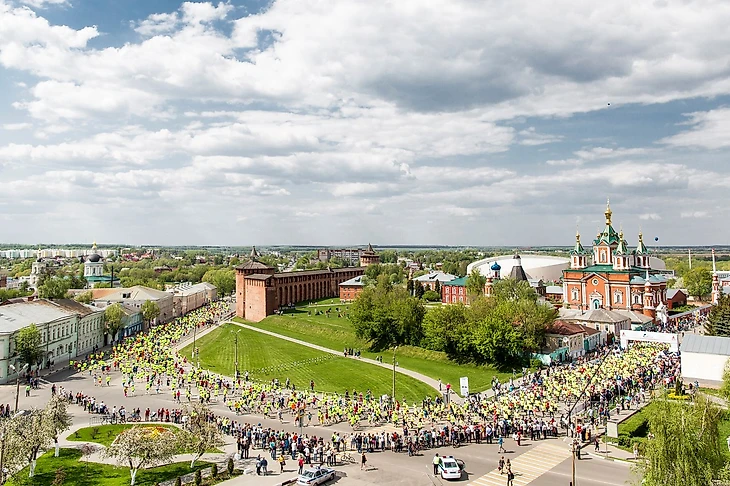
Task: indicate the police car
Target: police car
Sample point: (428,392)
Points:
(316,476)
(451,468)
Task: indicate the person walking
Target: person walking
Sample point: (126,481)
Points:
(500,442)
(301,464)
(282,463)
(363,461)
(436,464)
(500,465)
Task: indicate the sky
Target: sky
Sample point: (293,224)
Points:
(342,122)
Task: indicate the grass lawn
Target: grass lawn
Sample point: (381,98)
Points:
(107,433)
(266,357)
(81,473)
(337,333)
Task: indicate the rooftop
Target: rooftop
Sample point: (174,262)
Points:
(565,328)
(459,282)
(695,343)
(436,276)
(137,292)
(18,316)
(353,282)
(601,315)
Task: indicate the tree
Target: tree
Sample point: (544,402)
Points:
(431,296)
(409,286)
(498,341)
(141,447)
(113,316)
(85,297)
(475,283)
(13,452)
(28,345)
(34,428)
(698,282)
(685,449)
(418,289)
(54,288)
(385,315)
(58,418)
(224,280)
(150,311)
(718,322)
(200,434)
(437,287)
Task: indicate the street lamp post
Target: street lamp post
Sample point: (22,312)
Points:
(394,350)
(17,383)
(236,336)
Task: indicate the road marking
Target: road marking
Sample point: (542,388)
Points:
(528,466)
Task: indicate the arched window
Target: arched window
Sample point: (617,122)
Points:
(618,297)
(637,299)
(596,304)
(574,294)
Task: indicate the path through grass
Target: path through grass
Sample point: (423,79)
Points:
(267,357)
(337,333)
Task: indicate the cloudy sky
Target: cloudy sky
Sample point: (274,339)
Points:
(464,122)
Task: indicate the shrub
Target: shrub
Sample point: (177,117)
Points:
(536,364)
(214,470)
(198,478)
(60,477)
(229,466)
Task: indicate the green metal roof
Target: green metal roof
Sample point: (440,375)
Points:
(458,282)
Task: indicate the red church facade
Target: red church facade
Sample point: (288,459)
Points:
(615,278)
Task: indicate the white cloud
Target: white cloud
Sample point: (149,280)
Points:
(694,214)
(17,126)
(709,131)
(530,137)
(43,3)
(650,217)
(158,24)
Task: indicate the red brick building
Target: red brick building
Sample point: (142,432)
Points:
(369,257)
(260,290)
(616,279)
(351,289)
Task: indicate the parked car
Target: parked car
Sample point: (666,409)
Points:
(316,476)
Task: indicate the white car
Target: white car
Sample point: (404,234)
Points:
(451,468)
(316,476)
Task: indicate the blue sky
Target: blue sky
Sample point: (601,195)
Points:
(342,122)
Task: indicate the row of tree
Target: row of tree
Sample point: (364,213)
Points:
(502,329)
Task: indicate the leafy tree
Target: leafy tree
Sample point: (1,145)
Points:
(725,388)
(150,311)
(386,316)
(718,322)
(85,298)
(113,317)
(409,286)
(199,434)
(57,418)
(475,283)
(437,287)
(418,289)
(54,288)
(234,261)
(224,279)
(698,282)
(447,328)
(431,296)
(6,294)
(35,428)
(28,345)
(498,341)
(685,449)
(143,446)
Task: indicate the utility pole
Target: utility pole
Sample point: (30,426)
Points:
(394,349)
(236,363)
(573,464)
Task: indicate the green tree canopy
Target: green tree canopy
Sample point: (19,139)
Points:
(475,283)
(54,288)
(28,345)
(224,279)
(113,317)
(85,297)
(718,322)
(686,448)
(150,311)
(386,316)
(698,281)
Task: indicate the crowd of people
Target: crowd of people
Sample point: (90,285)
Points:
(536,407)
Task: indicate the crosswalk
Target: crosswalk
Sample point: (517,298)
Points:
(528,466)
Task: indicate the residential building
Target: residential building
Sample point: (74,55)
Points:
(349,255)
(188,297)
(135,297)
(454,291)
(606,321)
(676,298)
(567,336)
(429,280)
(351,289)
(58,322)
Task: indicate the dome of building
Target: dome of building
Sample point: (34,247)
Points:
(544,267)
(94,258)
(496,266)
